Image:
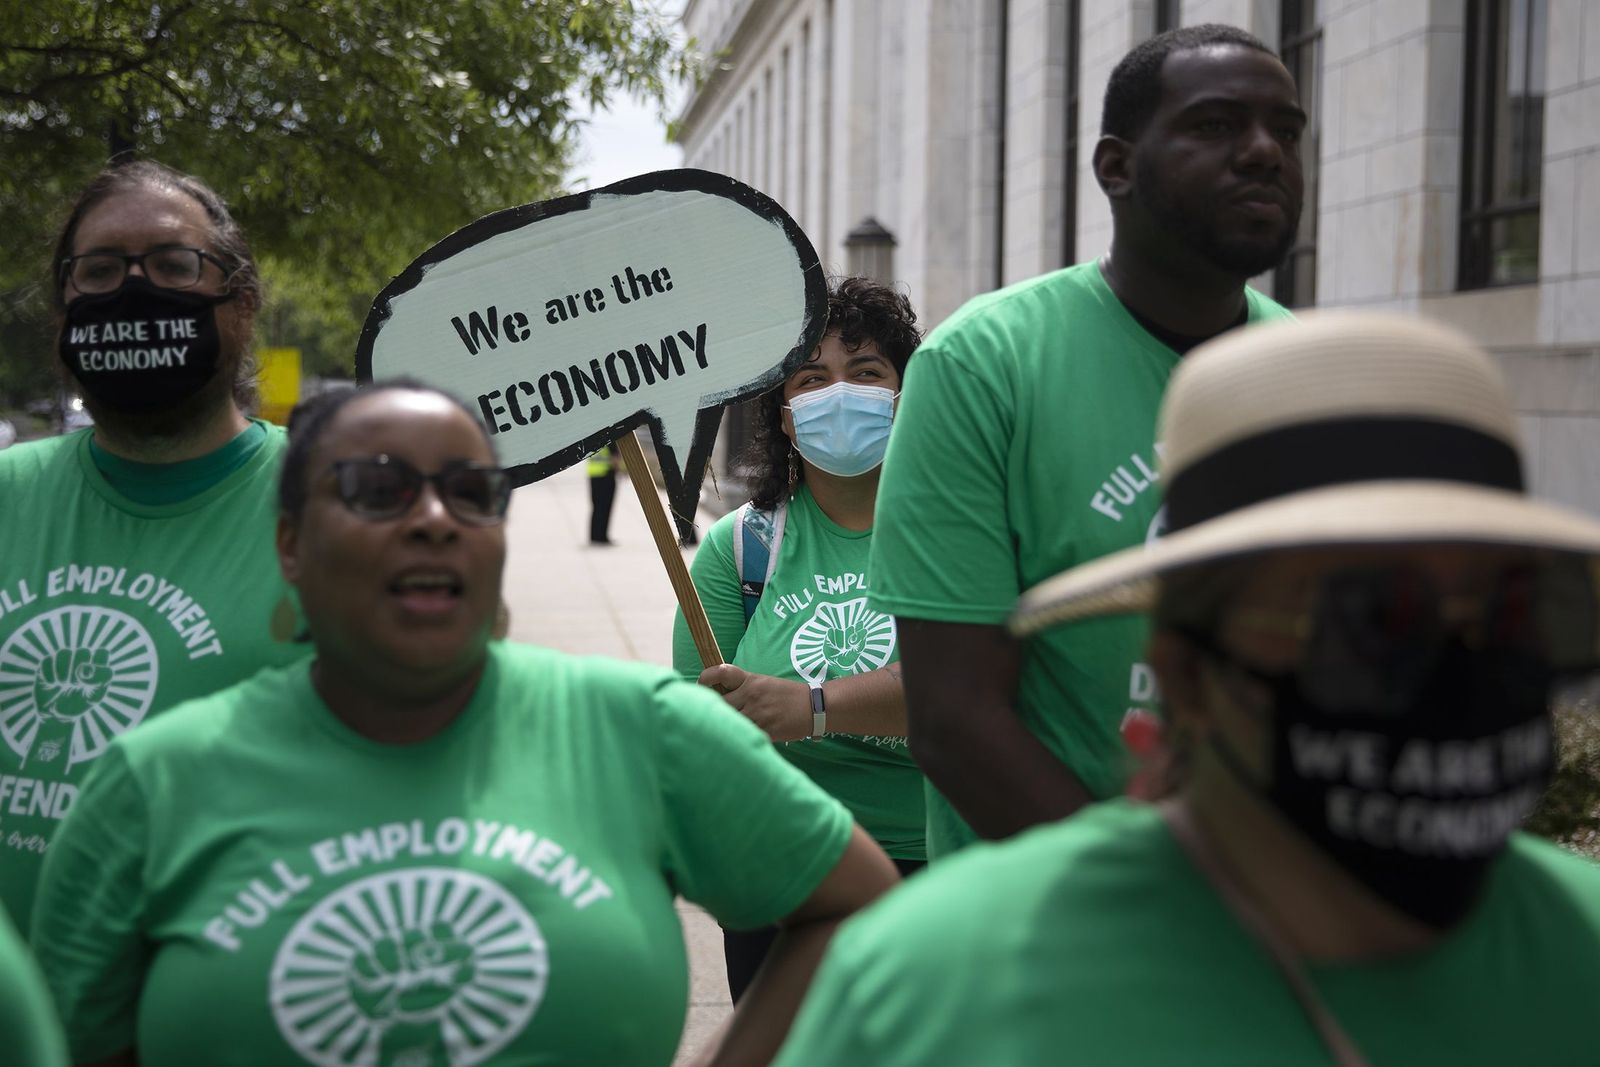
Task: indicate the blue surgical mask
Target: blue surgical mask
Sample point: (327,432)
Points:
(843,429)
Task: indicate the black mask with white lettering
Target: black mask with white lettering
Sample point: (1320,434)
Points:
(1415,804)
(141,347)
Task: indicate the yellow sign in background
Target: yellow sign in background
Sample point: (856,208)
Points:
(280,382)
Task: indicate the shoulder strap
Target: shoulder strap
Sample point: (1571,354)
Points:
(757,536)
(1337,1041)
(780,516)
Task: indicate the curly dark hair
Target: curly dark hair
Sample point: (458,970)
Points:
(1134,90)
(860,311)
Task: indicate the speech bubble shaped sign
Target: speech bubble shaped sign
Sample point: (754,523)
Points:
(659,299)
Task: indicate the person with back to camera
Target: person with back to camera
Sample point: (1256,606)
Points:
(423,845)
(136,559)
(1359,619)
(1026,437)
(783,580)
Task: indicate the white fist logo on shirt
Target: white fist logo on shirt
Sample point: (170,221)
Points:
(841,639)
(396,967)
(409,975)
(73,679)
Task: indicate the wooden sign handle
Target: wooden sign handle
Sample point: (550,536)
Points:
(655,512)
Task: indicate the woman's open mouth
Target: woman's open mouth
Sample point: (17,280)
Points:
(427,591)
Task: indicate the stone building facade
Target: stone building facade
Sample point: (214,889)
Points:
(1453,161)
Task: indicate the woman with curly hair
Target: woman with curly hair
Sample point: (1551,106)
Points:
(784,584)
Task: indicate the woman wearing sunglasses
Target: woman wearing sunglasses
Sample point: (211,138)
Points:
(1359,617)
(421,846)
(784,584)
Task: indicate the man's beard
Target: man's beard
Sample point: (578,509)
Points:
(1198,232)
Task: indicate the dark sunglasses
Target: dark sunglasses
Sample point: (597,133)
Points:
(384,487)
(1374,635)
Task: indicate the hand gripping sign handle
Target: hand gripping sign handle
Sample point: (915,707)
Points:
(705,642)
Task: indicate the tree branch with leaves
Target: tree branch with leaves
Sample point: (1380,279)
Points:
(348,135)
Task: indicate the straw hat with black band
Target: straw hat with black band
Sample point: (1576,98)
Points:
(1342,428)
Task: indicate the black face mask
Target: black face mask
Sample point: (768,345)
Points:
(140,347)
(1417,803)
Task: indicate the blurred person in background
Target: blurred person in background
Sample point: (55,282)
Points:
(601,467)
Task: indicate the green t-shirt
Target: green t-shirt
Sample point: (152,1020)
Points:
(111,611)
(30,1035)
(813,623)
(247,880)
(1025,444)
(1097,942)
(173,483)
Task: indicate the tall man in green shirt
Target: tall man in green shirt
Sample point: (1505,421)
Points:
(1025,439)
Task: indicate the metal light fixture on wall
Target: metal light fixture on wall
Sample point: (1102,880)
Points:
(869,251)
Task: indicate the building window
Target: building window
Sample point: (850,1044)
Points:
(1002,79)
(803,141)
(783,192)
(752,140)
(1069,218)
(1300,43)
(1502,143)
(1166,15)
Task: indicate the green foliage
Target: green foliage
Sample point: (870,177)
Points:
(27,363)
(322,321)
(1570,810)
(348,135)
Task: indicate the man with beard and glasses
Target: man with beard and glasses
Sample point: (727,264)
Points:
(137,566)
(1026,436)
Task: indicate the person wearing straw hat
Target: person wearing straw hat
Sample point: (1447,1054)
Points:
(1359,616)
(1026,436)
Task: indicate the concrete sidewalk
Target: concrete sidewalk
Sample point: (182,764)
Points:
(616,601)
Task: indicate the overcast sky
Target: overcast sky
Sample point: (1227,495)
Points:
(628,139)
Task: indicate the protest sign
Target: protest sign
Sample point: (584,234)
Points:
(657,300)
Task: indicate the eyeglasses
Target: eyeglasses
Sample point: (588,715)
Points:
(384,487)
(166,268)
(1373,635)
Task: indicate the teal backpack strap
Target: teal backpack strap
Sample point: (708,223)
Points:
(757,536)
